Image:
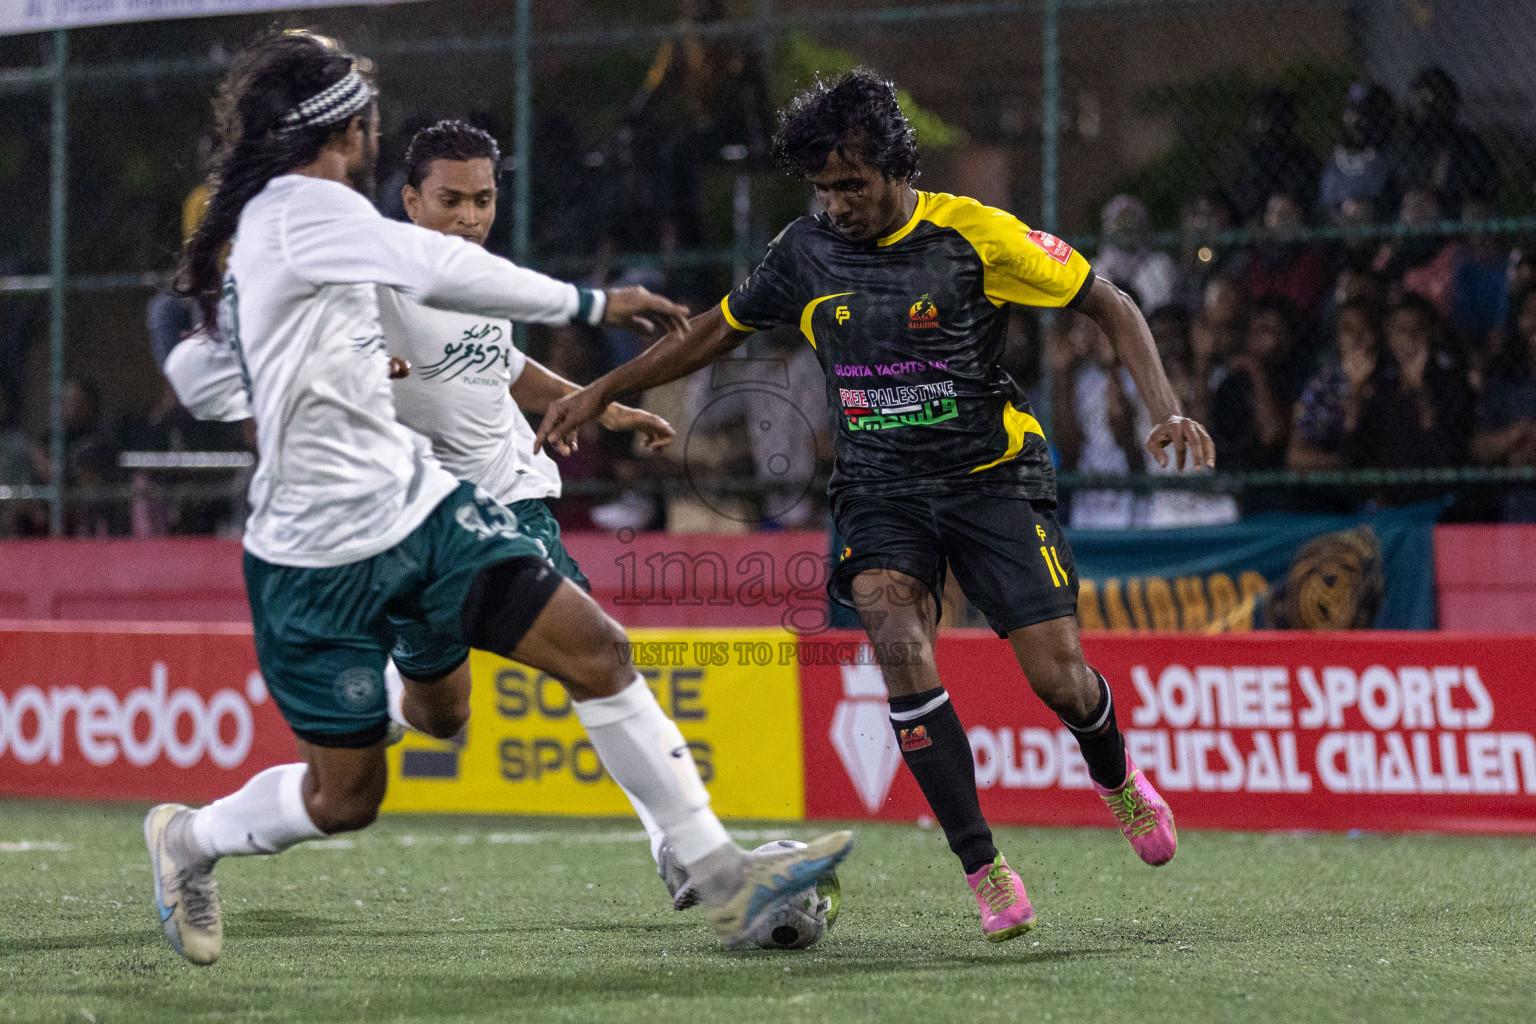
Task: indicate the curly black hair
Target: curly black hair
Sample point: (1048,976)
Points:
(857,112)
(447,140)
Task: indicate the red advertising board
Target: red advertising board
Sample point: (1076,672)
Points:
(133,711)
(1379,731)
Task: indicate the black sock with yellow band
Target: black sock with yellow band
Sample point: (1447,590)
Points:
(935,747)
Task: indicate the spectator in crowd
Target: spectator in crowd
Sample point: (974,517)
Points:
(1398,258)
(1506,422)
(1250,410)
(23,463)
(1202,256)
(1418,413)
(1171,330)
(1479,285)
(1217,332)
(1329,408)
(1277,159)
(1127,257)
(1360,167)
(1440,153)
(1100,436)
(1522,268)
(573,351)
(1358,282)
(1170,326)
(91,446)
(1282,267)
(779,392)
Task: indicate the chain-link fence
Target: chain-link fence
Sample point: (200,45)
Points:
(1268,179)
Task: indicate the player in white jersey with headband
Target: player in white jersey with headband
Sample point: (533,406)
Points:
(355,527)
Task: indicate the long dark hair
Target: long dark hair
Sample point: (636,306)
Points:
(265,82)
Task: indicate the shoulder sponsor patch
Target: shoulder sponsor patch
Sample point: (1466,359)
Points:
(1054,247)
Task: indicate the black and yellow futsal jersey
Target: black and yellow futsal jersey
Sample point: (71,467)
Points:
(909,329)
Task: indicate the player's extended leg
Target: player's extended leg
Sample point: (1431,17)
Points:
(574,641)
(336,789)
(1051,655)
(901,617)
(441,710)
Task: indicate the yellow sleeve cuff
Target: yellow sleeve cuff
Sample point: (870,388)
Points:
(725,307)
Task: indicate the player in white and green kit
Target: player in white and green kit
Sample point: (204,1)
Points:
(355,526)
(463,386)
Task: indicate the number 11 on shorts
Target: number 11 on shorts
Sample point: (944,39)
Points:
(1052,563)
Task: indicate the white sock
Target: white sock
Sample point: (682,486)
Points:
(652,830)
(646,754)
(266,815)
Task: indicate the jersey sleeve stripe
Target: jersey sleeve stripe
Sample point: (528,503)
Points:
(1019,425)
(725,307)
(1082,290)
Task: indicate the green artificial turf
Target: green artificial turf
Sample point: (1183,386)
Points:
(499,919)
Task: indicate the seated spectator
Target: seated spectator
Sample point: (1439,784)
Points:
(1506,422)
(1438,152)
(575,352)
(1127,258)
(1426,264)
(1280,266)
(1202,256)
(23,463)
(1479,286)
(92,442)
(778,391)
(1171,328)
(1329,409)
(1360,167)
(1218,331)
(1277,158)
(1250,409)
(1418,413)
(1102,428)
(1172,331)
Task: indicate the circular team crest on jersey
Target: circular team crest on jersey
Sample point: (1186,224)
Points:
(358,687)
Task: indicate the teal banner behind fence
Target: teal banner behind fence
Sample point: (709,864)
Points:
(1274,570)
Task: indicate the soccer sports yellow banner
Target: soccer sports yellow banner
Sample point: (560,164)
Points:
(735,698)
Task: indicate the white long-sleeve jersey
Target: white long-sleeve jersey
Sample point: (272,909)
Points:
(457,394)
(339,478)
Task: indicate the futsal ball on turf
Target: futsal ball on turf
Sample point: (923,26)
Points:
(802,921)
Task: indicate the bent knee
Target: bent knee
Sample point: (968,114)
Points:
(601,669)
(348,812)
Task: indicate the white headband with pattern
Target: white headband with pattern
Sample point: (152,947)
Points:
(332,104)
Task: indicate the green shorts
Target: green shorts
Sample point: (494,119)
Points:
(424,656)
(322,635)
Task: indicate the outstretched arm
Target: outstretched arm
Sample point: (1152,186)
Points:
(537,387)
(1118,317)
(707,337)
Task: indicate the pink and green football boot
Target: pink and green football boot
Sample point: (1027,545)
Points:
(1145,820)
(1005,910)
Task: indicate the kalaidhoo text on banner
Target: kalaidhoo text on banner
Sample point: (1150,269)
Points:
(735,699)
(1274,570)
(1307,731)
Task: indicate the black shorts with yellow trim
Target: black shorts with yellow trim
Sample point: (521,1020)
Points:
(1009,554)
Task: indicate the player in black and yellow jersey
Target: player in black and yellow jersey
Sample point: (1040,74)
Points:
(940,464)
